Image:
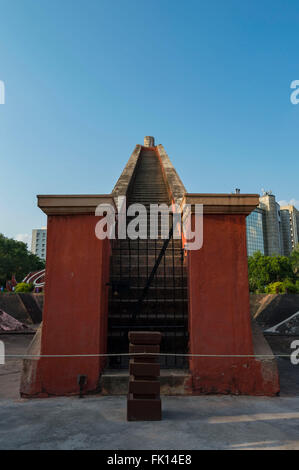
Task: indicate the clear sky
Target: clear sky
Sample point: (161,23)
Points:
(85,80)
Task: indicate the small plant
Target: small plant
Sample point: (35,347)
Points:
(290,287)
(274,288)
(285,287)
(24,287)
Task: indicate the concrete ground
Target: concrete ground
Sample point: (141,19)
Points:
(98,422)
(206,422)
(10,372)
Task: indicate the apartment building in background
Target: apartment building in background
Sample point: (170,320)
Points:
(272,229)
(39,242)
(290,216)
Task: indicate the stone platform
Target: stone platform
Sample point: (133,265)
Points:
(172,382)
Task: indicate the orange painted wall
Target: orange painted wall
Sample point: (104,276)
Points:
(219,313)
(76,304)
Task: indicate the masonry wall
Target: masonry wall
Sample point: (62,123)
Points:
(219,313)
(75,308)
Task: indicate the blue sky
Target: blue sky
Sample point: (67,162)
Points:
(86,80)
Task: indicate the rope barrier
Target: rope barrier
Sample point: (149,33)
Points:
(24,356)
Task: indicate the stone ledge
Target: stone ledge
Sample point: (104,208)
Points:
(223,203)
(126,178)
(173,181)
(72,204)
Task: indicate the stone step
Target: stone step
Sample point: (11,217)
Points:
(150,309)
(147,216)
(157,191)
(155,292)
(145,244)
(153,295)
(174,334)
(144,271)
(147,223)
(172,382)
(144,259)
(152,251)
(165,322)
(148,202)
(134,281)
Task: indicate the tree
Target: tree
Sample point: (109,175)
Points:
(295,260)
(16,259)
(264,270)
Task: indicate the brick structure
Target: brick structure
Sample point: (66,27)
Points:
(149,141)
(144,403)
(98,290)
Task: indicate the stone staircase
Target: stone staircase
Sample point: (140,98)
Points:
(164,306)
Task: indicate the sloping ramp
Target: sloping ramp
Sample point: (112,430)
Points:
(275,308)
(32,307)
(8,324)
(290,326)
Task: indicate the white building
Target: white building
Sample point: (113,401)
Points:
(39,242)
(272,229)
(291,223)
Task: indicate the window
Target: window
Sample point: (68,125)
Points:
(254,232)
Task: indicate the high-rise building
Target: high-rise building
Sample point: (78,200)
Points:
(286,231)
(39,242)
(255,232)
(271,229)
(290,217)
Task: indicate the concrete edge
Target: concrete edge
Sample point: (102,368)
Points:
(29,370)
(173,180)
(122,185)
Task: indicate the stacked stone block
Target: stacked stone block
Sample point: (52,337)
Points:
(149,141)
(144,403)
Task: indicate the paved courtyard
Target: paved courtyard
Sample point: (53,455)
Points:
(207,422)
(10,372)
(95,422)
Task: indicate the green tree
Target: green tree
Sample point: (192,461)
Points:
(295,260)
(264,270)
(16,259)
